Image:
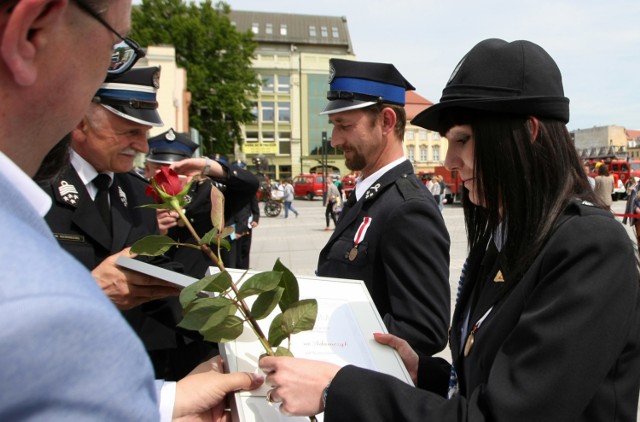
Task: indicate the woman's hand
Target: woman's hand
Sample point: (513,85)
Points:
(407,354)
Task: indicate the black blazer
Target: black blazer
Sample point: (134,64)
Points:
(403,259)
(562,345)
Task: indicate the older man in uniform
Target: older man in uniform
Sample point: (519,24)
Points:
(390,233)
(96,216)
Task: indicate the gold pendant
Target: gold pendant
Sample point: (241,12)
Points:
(353,253)
(468,345)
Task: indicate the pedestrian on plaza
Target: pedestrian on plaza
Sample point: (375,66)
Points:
(67,352)
(390,233)
(333,200)
(436,191)
(604,185)
(632,209)
(592,181)
(547,321)
(288,194)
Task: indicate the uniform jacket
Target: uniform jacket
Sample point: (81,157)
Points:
(403,257)
(67,354)
(75,222)
(562,345)
(238,190)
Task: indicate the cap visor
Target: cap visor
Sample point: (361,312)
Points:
(143,116)
(337,106)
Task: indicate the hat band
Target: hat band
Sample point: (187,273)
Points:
(389,93)
(176,149)
(131,102)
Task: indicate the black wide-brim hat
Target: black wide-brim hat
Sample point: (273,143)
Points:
(519,77)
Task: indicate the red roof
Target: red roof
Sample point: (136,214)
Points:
(633,134)
(414,104)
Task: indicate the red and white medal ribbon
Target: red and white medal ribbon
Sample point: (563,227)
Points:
(357,239)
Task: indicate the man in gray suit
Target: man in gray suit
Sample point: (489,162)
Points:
(66,351)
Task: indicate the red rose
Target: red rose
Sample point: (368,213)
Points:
(166,180)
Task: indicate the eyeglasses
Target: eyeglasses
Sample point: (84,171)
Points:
(125,53)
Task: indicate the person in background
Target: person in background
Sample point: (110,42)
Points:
(390,233)
(547,321)
(287,197)
(333,200)
(175,150)
(68,353)
(592,181)
(436,191)
(604,185)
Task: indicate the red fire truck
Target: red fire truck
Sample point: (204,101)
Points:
(453,182)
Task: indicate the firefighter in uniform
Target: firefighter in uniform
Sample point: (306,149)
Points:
(390,233)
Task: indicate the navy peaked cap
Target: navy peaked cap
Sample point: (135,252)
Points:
(169,147)
(354,85)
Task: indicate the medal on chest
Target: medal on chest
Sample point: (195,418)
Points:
(352,254)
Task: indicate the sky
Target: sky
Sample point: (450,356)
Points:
(596,43)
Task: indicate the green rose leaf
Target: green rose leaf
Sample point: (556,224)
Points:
(276,333)
(290,284)
(209,237)
(217,207)
(156,206)
(153,245)
(227,231)
(301,316)
(212,283)
(283,351)
(206,314)
(266,302)
(259,283)
(225,244)
(229,329)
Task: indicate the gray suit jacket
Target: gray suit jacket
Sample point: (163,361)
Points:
(67,354)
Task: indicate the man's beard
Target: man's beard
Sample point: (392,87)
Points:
(357,161)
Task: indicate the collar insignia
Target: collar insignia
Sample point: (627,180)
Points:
(123,197)
(69,193)
(499,277)
(372,191)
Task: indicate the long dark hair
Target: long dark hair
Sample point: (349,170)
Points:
(525,185)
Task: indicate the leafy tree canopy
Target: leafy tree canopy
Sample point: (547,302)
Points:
(217,59)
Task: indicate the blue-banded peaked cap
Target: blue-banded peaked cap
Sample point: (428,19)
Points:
(132,95)
(354,85)
(169,147)
(517,77)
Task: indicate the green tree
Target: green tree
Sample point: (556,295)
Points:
(217,59)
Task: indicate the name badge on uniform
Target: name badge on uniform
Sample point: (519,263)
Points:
(358,238)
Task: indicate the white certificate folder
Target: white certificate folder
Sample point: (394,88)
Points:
(343,334)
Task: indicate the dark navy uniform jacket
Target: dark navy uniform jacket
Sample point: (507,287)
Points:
(562,345)
(403,257)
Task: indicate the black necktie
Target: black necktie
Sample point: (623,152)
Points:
(351,201)
(101,182)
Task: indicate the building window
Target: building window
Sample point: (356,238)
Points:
(284,112)
(436,135)
(268,137)
(283,29)
(312,31)
(267,83)
(410,153)
(268,29)
(324,32)
(334,32)
(423,153)
(254,111)
(423,135)
(267,111)
(436,153)
(284,143)
(252,137)
(283,84)
(255,28)
(410,134)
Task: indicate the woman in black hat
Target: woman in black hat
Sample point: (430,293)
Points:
(547,321)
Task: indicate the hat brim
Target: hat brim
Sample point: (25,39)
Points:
(165,158)
(338,106)
(555,107)
(149,117)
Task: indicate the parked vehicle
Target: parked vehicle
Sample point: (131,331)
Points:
(622,171)
(308,185)
(349,182)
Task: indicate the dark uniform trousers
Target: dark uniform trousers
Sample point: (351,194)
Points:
(403,257)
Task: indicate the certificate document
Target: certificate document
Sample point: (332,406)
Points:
(343,335)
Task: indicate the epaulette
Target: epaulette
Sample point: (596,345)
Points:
(409,189)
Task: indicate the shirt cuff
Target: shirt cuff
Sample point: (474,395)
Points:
(167,401)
